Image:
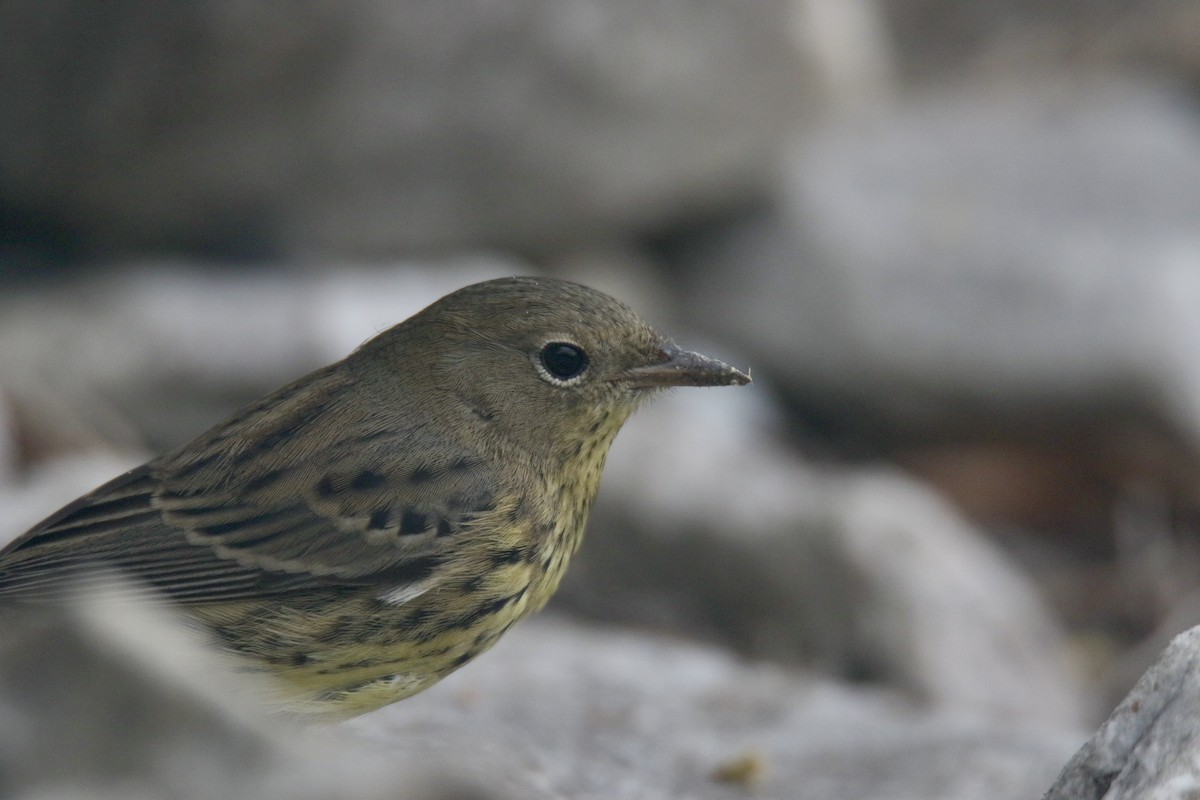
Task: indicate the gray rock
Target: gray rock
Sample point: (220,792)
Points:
(992,258)
(375,126)
(152,356)
(1147,748)
(706,525)
(937,38)
(109,699)
(608,714)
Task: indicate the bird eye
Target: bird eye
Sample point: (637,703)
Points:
(563,362)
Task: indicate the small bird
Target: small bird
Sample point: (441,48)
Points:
(366,530)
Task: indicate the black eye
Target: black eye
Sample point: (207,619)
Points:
(563,361)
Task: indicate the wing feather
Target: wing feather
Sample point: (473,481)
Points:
(383,516)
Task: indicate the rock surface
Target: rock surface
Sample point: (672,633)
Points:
(706,525)
(936,38)
(377,127)
(608,714)
(150,357)
(1147,749)
(943,266)
(110,701)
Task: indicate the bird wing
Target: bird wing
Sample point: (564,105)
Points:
(381,513)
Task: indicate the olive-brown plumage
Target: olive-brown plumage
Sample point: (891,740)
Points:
(367,529)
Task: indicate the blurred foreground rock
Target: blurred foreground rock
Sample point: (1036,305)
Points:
(106,701)
(606,715)
(109,700)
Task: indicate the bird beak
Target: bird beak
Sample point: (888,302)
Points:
(684,368)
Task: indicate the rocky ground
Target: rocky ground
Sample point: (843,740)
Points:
(933,546)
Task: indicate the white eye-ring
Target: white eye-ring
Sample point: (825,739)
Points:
(562,363)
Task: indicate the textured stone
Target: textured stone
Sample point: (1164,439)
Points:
(612,715)
(1147,749)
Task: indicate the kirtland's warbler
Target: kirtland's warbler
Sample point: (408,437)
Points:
(373,526)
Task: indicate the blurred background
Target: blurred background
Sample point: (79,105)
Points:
(956,242)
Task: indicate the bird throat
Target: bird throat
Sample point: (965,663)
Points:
(572,488)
